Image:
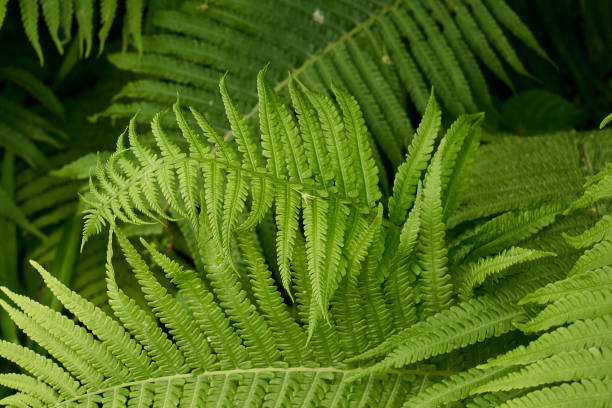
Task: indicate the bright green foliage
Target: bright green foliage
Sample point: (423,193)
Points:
(297,285)
(409,172)
(566,366)
(577,351)
(136,188)
(287,238)
(473,274)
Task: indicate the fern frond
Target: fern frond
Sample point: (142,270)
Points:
(206,312)
(503,231)
(598,232)
(462,324)
(172,177)
(33,86)
(75,364)
(577,306)
(478,41)
(409,172)
(367,172)
(26,384)
(123,347)
(566,366)
(508,174)
(599,187)
(361,48)
(579,335)
(433,280)
(75,337)
(60,15)
(164,353)
(596,257)
(187,336)
(29,18)
(44,369)
(585,282)
(592,392)
(493,31)
(455,387)
(475,273)
(287,333)
(509,19)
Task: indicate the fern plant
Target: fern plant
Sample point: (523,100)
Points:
(365,280)
(383,52)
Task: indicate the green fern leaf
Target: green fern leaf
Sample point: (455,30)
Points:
(598,232)
(24,383)
(590,392)
(83,12)
(29,17)
(475,273)
(462,324)
(433,280)
(596,257)
(409,172)
(566,366)
(51,14)
(133,22)
(367,173)
(455,387)
(123,347)
(503,231)
(44,369)
(579,335)
(493,31)
(34,86)
(585,282)
(206,312)
(577,306)
(186,335)
(600,186)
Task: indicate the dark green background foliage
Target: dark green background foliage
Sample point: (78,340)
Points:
(305,203)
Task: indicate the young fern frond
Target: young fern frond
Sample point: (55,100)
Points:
(136,183)
(409,172)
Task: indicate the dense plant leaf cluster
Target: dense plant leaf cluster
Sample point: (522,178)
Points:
(263,238)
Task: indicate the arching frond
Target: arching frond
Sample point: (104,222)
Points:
(588,392)
(172,177)
(473,274)
(566,366)
(378,50)
(581,334)
(456,327)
